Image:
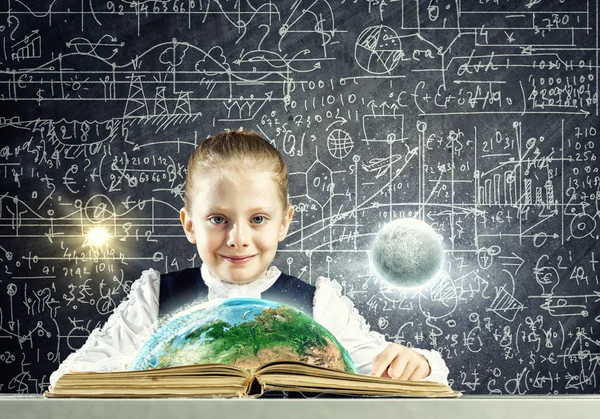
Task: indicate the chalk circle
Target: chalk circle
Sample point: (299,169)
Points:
(105,305)
(485,256)
(540,236)
(339,143)
(99,208)
(582,225)
(11,290)
(530,143)
(81,333)
(378,49)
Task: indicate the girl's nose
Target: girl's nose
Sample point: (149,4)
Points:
(238,236)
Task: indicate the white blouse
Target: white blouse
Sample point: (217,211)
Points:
(113,346)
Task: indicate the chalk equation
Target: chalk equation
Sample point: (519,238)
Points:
(480,118)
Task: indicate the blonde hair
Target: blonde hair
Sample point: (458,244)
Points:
(237,151)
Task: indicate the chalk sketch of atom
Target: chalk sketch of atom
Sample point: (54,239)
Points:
(339,143)
(378,49)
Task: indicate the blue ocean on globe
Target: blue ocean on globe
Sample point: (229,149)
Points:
(245,332)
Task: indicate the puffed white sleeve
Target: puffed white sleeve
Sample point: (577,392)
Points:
(112,346)
(337,313)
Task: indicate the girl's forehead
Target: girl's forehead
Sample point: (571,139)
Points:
(251,186)
(226,186)
(236,176)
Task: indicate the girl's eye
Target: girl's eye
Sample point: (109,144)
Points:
(259,219)
(218,219)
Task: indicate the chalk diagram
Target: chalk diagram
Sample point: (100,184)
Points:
(479,119)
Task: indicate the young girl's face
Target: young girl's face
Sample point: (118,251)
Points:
(236,222)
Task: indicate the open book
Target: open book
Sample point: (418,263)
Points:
(223,380)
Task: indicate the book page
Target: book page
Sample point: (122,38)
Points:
(297,376)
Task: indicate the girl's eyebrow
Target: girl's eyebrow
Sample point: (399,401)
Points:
(258,209)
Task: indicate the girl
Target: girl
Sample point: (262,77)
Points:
(236,212)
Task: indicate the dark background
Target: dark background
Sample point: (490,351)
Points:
(478,117)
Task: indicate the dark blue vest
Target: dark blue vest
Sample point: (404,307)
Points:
(183,287)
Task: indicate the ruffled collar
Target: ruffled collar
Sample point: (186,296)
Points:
(218,289)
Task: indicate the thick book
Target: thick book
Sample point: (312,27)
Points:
(229,381)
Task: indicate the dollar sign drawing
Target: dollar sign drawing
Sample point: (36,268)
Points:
(39,95)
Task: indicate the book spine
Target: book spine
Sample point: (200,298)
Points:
(254,388)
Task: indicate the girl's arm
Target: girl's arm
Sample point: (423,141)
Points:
(337,313)
(111,347)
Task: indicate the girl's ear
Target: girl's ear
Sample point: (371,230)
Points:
(285,223)
(188,226)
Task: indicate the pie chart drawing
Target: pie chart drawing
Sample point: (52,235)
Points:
(378,49)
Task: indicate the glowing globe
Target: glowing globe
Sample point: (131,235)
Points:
(245,332)
(407,253)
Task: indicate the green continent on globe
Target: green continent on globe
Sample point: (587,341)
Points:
(244,332)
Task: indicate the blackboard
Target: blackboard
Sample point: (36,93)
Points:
(480,118)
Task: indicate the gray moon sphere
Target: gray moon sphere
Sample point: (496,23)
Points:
(407,253)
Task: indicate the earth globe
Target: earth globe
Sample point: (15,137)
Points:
(245,332)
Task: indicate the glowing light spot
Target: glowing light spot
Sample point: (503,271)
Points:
(97,237)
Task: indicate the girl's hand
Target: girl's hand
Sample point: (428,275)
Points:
(400,362)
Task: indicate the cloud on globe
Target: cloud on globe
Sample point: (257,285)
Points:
(407,253)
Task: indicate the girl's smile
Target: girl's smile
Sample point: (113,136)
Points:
(237,260)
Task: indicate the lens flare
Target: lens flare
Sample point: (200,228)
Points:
(97,237)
